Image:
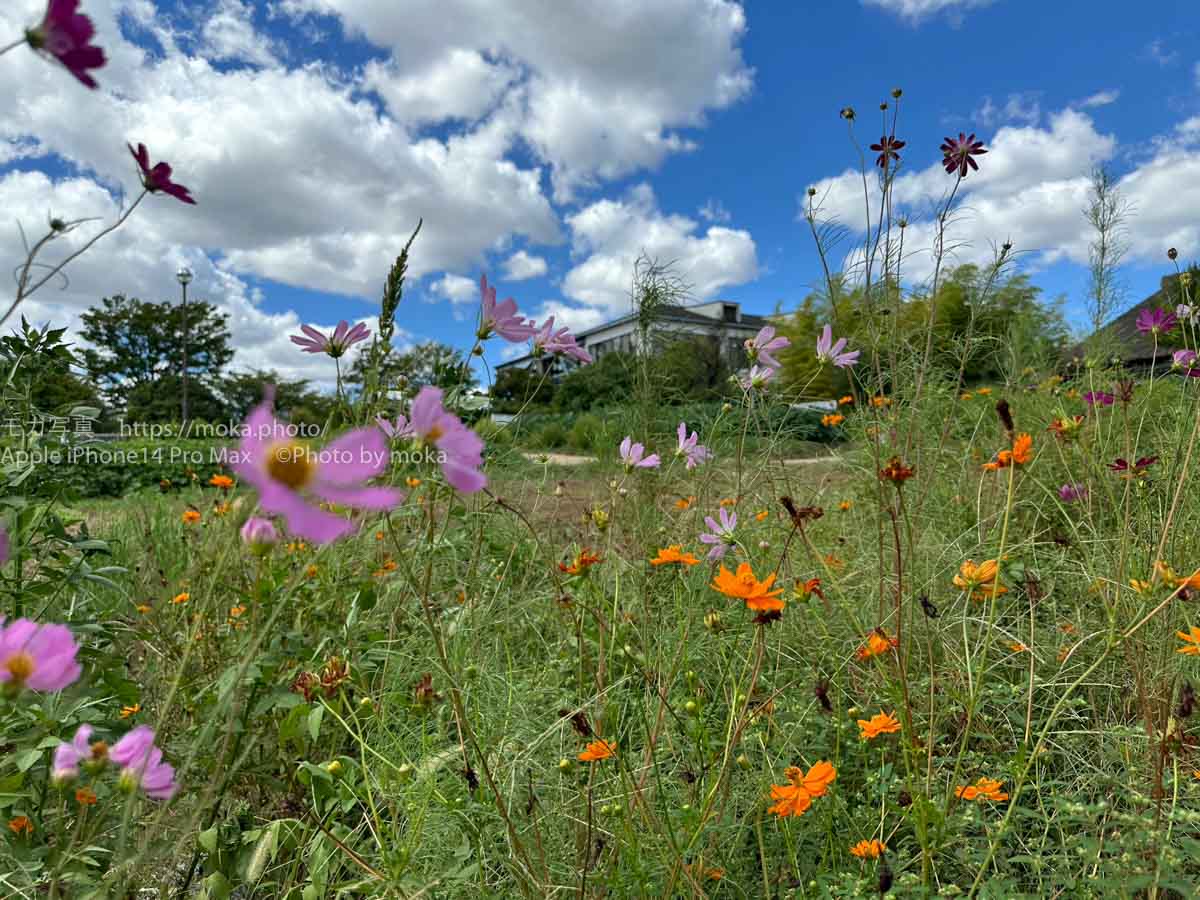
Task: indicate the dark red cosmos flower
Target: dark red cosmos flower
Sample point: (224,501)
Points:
(158,178)
(887,149)
(1138,468)
(957,154)
(66,35)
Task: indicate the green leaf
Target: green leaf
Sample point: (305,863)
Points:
(314,722)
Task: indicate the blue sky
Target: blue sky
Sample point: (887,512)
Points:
(546,146)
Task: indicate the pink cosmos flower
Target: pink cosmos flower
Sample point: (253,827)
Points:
(66,34)
(633,455)
(462,448)
(1098,398)
(756,379)
(259,532)
(558,343)
(158,178)
(501,318)
(720,534)
(763,344)
(401,429)
(287,474)
(335,345)
(828,351)
(1155,321)
(690,447)
(957,154)
(142,764)
(67,757)
(1185,362)
(1069,493)
(38,657)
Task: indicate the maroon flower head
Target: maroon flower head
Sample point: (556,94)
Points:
(66,35)
(887,149)
(158,178)
(958,154)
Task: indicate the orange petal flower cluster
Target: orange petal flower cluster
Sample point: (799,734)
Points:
(877,643)
(582,562)
(598,750)
(744,586)
(980,580)
(224,482)
(832,420)
(880,723)
(984,788)
(674,554)
(795,797)
(1021,453)
(1191,641)
(871,849)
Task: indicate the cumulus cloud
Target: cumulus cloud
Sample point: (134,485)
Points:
(916,11)
(609,235)
(456,288)
(1100,98)
(1023,107)
(521,266)
(228,34)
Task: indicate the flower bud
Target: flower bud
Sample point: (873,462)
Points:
(404,772)
(334,767)
(691,707)
(565,765)
(259,535)
(1172,254)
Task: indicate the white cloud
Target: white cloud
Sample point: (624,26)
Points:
(1157,51)
(1023,107)
(714,211)
(456,288)
(521,266)
(611,234)
(228,34)
(460,84)
(916,11)
(1100,98)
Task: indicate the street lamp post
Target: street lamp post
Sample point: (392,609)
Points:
(184,277)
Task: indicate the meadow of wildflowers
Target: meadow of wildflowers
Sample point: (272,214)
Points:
(954,658)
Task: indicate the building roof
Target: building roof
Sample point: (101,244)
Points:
(1132,345)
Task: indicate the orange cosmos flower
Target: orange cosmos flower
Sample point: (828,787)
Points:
(685,502)
(1191,639)
(1065,429)
(966,395)
(1021,453)
(181,598)
(20,824)
(986,788)
(1140,587)
(881,401)
(190,517)
(845,506)
(413,482)
(795,797)
(845,400)
(674,554)
(832,420)
(983,391)
(583,561)
(143,608)
(224,482)
(744,586)
(805,589)
(872,849)
(979,580)
(880,723)
(312,571)
(896,471)
(598,750)
(128,711)
(1017,647)
(877,642)
(728,501)
(85,796)
(761,514)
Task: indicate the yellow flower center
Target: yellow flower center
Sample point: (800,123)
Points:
(20,666)
(290,463)
(434,433)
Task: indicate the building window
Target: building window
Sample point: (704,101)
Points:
(731,312)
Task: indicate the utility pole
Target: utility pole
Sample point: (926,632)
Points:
(184,277)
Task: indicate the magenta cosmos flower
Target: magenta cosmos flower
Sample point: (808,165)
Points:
(336,344)
(501,318)
(828,351)
(634,456)
(67,757)
(142,764)
(289,476)
(888,149)
(1069,493)
(763,344)
(38,657)
(158,178)
(66,35)
(959,154)
(401,428)
(461,449)
(1155,321)
(720,534)
(691,448)
(756,379)
(1185,362)
(1098,398)
(558,343)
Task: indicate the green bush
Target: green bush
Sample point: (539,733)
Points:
(114,468)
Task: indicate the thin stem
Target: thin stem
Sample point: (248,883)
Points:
(12,46)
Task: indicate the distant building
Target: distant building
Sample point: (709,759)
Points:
(1122,338)
(721,321)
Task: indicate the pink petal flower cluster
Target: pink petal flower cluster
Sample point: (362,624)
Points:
(1069,493)
(763,344)
(1186,362)
(1099,398)
(558,343)
(634,456)
(37,657)
(259,533)
(1155,321)
(691,448)
(65,34)
(67,757)
(720,534)
(288,474)
(158,177)
(336,344)
(829,352)
(143,764)
(461,448)
(401,428)
(756,379)
(501,318)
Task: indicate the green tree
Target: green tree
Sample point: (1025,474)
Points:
(429,363)
(138,342)
(158,401)
(515,388)
(38,366)
(242,391)
(691,368)
(608,381)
